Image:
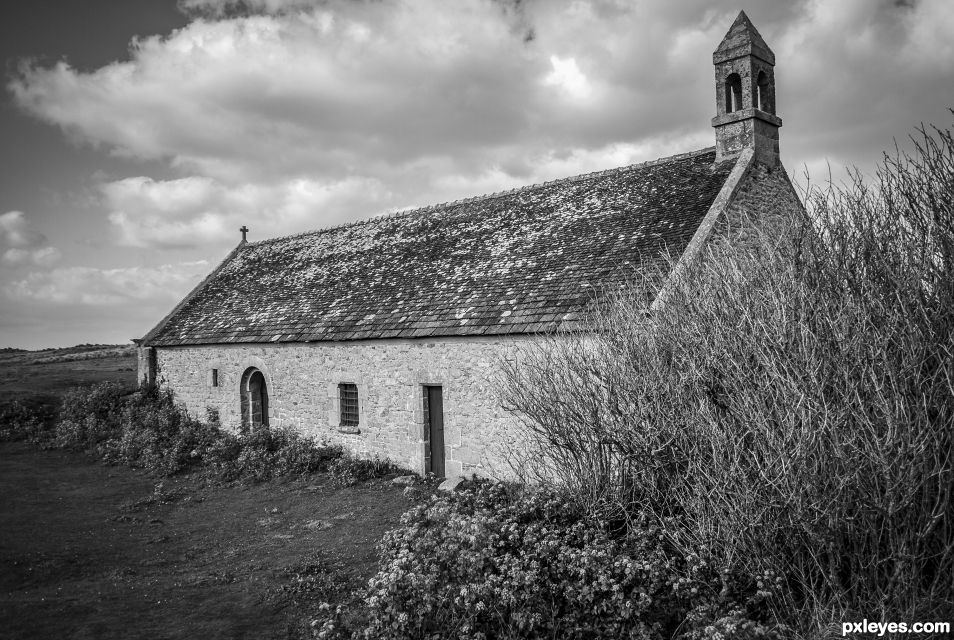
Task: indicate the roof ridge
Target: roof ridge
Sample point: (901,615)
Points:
(486,196)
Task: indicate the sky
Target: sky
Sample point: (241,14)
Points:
(137,136)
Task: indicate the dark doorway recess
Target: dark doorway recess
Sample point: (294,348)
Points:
(434,430)
(254,393)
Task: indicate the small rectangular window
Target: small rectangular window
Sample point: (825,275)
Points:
(348,402)
(215,377)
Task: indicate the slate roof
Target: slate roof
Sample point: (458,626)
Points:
(523,261)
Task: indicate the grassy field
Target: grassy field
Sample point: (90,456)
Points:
(34,376)
(89,551)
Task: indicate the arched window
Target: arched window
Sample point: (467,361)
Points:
(254,399)
(763,93)
(733,93)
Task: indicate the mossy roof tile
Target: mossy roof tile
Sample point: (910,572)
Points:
(526,260)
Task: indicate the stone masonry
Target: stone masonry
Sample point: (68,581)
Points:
(766,194)
(303,380)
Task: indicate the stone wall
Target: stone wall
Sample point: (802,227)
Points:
(765,194)
(748,128)
(145,364)
(302,379)
(754,191)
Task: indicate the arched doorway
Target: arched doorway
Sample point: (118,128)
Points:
(254,398)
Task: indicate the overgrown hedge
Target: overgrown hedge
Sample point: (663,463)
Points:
(147,429)
(791,405)
(496,562)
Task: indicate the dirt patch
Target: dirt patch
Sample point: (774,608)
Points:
(88,551)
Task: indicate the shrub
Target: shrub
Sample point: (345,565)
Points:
(147,429)
(348,470)
(90,415)
(302,455)
(27,420)
(270,453)
(313,579)
(222,457)
(791,404)
(492,562)
(157,434)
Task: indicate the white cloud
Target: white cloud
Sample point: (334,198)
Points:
(331,91)
(273,90)
(567,76)
(197,212)
(931,43)
(337,89)
(15,232)
(88,286)
(21,244)
(44,256)
(287,115)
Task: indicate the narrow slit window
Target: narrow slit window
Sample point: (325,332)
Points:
(215,377)
(763,93)
(348,401)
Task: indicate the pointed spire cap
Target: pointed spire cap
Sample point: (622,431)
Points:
(743,39)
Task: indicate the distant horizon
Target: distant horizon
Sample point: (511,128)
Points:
(73,346)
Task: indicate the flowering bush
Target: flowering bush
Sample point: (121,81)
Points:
(490,562)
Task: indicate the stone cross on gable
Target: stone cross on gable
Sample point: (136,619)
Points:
(244,230)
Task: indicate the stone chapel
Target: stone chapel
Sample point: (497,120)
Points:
(385,335)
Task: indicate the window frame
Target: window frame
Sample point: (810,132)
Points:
(349,409)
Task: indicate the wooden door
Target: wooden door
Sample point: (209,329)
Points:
(434,430)
(257,400)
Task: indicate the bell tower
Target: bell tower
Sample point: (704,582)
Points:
(745,95)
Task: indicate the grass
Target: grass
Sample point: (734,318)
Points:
(112,552)
(39,378)
(109,552)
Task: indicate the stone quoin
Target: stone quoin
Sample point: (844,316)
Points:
(387,335)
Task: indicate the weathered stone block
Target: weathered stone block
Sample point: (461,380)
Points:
(303,383)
